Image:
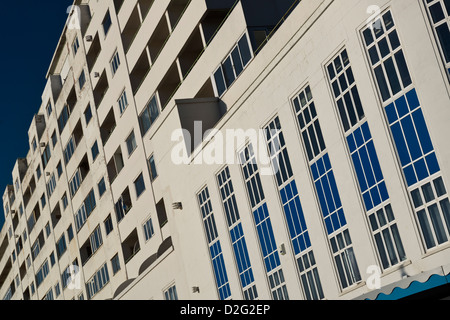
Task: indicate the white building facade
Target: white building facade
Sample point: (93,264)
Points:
(205,150)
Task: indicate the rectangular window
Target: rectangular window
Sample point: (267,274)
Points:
(70,233)
(215,249)
(54,139)
(153,172)
(139,185)
(42,273)
(59,169)
(51,185)
(263,223)
(106,23)
(43,201)
(101,187)
(64,201)
(408,127)
(49,295)
(75,46)
(61,246)
(239,244)
(52,259)
(63,118)
(98,281)
(292,208)
(49,109)
(149,115)
(109,225)
(115,264)
(85,210)
(75,183)
(123,102)
(115,63)
(439,15)
(34,144)
(322,174)
(38,172)
(69,150)
(148,229)
(366,165)
(171,293)
(82,79)
(57,290)
(48,230)
(88,114)
(131,143)
(232,66)
(96,239)
(94,151)
(46,155)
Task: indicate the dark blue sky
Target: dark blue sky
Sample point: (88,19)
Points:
(30,32)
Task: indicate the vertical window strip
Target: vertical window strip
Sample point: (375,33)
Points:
(409,130)
(263,224)
(292,207)
(328,197)
(215,248)
(237,235)
(439,15)
(367,169)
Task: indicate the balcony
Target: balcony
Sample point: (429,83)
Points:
(123,205)
(100,89)
(108,126)
(131,246)
(115,165)
(94,52)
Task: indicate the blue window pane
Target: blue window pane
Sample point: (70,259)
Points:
(411,138)
(374,159)
(320,167)
(367,201)
(295,218)
(359,172)
(400,144)
(335,221)
(334,189)
(321,196)
(326,161)
(328,195)
(410,175)
(328,225)
(358,137)
(220,83)
(314,171)
(375,196)
(342,217)
(391,113)
(422,131)
(421,169)
(366,132)
(402,107)
(383,191)
(351,143)
(433,165)
(367,167)
(413,100)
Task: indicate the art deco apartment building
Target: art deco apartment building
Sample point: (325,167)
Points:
(144,181)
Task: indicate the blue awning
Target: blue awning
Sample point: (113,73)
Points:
(415,287)
(411,285)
